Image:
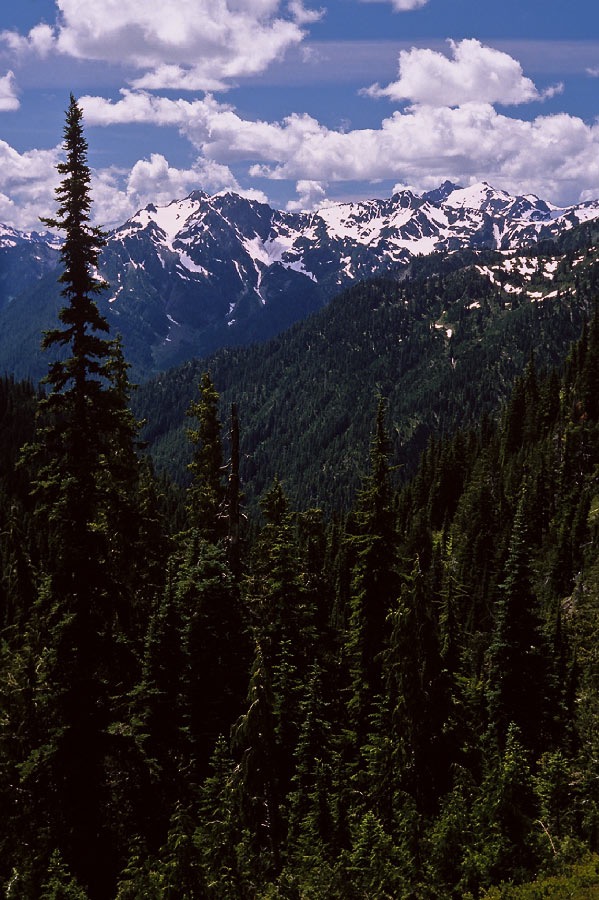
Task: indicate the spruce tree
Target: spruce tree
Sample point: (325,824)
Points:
(83,488)
(519,674)
(375,580)
(206,495)
(234,497)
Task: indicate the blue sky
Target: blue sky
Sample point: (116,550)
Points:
(298,103)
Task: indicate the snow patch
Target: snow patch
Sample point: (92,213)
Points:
(474,196)
(170,219)
(188,263)
(112,299)
(275,250)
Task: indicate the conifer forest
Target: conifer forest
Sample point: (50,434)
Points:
(206,697)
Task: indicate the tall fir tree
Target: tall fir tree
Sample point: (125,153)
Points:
(206,494)
(518,652)
(375,579)
(84,487)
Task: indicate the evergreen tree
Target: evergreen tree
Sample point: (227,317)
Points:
(375,581)
(60,885)
(215,647)
(518,651)
(416,691)
(84,490)
(206,495)
(212,630)
(234,498)
(219,831)
(260,791)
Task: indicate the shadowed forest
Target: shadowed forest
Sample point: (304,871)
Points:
(399,700)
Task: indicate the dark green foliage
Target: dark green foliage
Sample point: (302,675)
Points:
(518,655)
(397,702)
(382,743)
(375,581)
(206,494)
(215,650)
(60,885)
(75,761)
(305,395)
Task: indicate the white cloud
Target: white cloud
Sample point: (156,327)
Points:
(556,156)
(27,183)
(210,125)
(143,108)
(40,41)
(185,44)
(474,73)
(302,15)
(311,195)
(593,71)
(450,130)
(213,127)
(155,181)
(9,102)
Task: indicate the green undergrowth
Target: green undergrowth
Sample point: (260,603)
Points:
(579,883)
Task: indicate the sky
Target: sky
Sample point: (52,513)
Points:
(298,103)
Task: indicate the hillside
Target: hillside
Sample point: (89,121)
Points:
(324,709)
(443,345)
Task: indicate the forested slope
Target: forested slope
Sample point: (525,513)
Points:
(401,702)
(443,345)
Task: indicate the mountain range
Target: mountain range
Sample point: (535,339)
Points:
(215,271)
(443,345)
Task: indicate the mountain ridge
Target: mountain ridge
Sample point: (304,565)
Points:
(207,271)
(443,345)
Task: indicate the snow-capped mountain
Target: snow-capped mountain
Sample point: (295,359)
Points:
(208,271)
(25,257)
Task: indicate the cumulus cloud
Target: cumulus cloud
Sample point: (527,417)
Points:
(27,183)
(450,129)
(141,107)
(9,101)
(556,156)
(177,44)
(154,180)
(40,41)
(311,195)
(211,126)
(214,128)
(473,73)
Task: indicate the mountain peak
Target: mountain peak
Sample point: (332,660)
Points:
(476,196)
(205,271)
(442,192)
